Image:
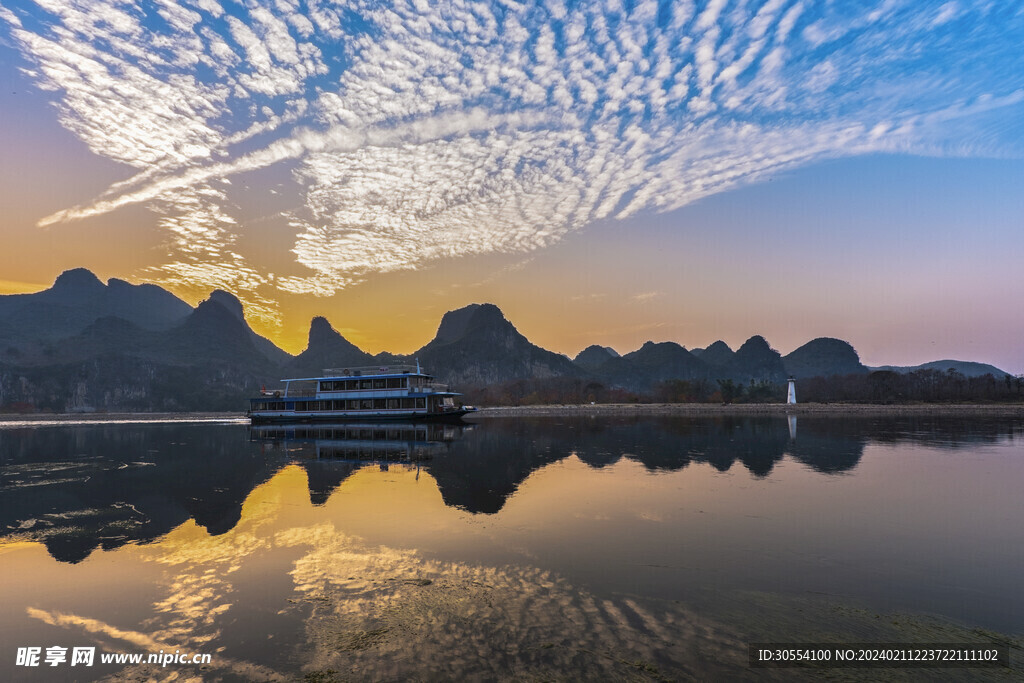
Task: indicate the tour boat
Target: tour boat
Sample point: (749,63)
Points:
(401,392)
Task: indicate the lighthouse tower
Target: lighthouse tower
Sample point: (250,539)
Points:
(791,392)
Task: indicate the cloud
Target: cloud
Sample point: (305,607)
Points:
(424,131)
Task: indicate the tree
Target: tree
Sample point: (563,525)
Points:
(730,390)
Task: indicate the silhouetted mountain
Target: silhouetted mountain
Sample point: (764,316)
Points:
(652,363)
(107,335)
(327,349)
(234,306)
(823,357)
(757,361)
(84,345)
(229,302)
(76,300)
(718,354)
(476,345)
(212,332)
(77,284)
(966,368)
(594,357)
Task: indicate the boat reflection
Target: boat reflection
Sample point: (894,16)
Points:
(369,442)
(331,453)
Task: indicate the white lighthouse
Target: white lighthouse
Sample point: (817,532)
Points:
(791,392)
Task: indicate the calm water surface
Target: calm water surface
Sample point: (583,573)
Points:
(629,549)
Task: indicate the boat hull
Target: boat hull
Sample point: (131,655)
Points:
(292,417)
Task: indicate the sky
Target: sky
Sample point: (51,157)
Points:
(606,173)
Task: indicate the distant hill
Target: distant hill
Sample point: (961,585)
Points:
(208,361)
(823,357)
(718,354)
(964,367)
(88,345)
(326,349)
(594,357)
(477,346)
(756,360)
(76,300)
(234,306)
(652,363)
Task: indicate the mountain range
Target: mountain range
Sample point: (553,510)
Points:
(87,345)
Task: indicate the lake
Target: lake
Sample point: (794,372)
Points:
(641,548)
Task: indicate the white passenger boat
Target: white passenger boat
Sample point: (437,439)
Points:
(402,392)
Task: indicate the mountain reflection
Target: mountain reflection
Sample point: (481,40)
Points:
(330,453)
(79,488)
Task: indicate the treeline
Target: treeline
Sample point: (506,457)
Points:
(919,386)
(565,390)
(880,386)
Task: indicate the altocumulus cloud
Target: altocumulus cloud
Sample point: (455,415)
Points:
(417,131)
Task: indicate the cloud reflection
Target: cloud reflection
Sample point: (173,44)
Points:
(380,612)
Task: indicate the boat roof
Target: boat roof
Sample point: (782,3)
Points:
(365,372)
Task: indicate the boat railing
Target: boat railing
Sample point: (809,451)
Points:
(431,387)
(299,393)
(359,371)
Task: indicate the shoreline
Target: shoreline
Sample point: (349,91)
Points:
(596,410)
(756,409)
(121,417)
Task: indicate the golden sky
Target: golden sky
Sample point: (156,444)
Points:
(611,175)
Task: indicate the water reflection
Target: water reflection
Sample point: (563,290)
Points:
(330,453)
(80,488)
(633,548)
(84,487)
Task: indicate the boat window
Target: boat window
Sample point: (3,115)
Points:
(392,404)
(366,404)
(351,384)
(379,384)
(365,384)
(421,403)
(380,403)
(396,383)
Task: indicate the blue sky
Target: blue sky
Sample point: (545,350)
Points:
(284,149)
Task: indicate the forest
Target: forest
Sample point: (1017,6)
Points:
(878,387)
